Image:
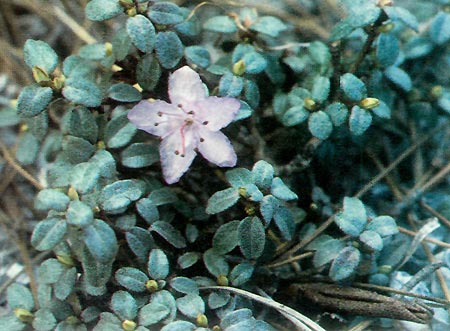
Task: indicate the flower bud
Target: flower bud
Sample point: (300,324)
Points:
(385,269)
(201,321)
(72,320)
(40,75)
(385,28)
(108,49)
(369,103)
(222,280)
(309,104)
(239,68)
(72,193)
(131,12)
(152,285)
(58,82)
(66,260)
(126,3)
(24,315)
(128,325)
(436,91)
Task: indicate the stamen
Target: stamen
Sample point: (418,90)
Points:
(205,123)
(177,153)
(160,114)
(191,112)
(202,140)
(180,105)
(156,124)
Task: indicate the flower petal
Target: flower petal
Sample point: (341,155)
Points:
(158,117)
(216,148)
(186,87)
(216,112)
(177,153)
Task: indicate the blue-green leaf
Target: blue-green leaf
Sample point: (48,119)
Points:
(48,233)
(132,279)
(124,305)
(66,283)
(152,313)
(345,264)
(191,305)
(121,44)
(184,285)
(353,87)
(187,260)
(215,263)
(148,71)
(263,172)
(84,177)
(321,88)
(241,273)
(11,323)
(169,49)
(79,214)
(94,52)
(320,125)
(388,49)
(252,237)
(251,192)
(142,33)
(116,197)
(39,53)
(27,149)
(440,28)
(101,241)
(51,199)
(218,299)
(179,326)
(100,10)
(353,218)
(399,77)
(124,93)
(44,320)
(221,24)
(383,225)
(158,264)
(239,177)
(222,200)
(382,111)
(360,120)
(231,85)
(268,25)
(403,15)
(226,237)
(281,191)
(235,317)
(285,222)
(338,113)
(33,100)
(162,196)
(169,233)
(140,242)
(295,115)
(319,52)
(165,13)
(147,209)
(83,92)
(139,155)
(119,131)
(49,271)
(82,124)
(327,249)
(372,239)
(252,96)
(77,150)
(19,296)
(268,207)
(198,55)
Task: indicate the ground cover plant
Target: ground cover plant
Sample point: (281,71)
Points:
(230,166)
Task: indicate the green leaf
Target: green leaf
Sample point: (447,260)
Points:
(353,87)
(33,100)
(252,96)
(166,298)
(221,24)
(95,52)
(82,124)
(251,192)
(101,241)
(252,237)
(121,44)
(320,125)
(83,92)
(226,237)
(169,49)
(382,111)
(132,279)
(48,233)
(372,239)
(165,13)
(235,317)
(124,305)
(338,113)
(77,150)
(191,305)
(241,273)
(148,72)
(66,283)
(84,177)
(353,218)
(321,88)
(162,196)
(142,33)
(345,264)
(231,85)
(222,200)
(341,30)
(169,233)
(79,214)
(388,49)
(295,115)
(147,209)
(49,271)
(326,251)
(140,242)
(184,285)
(105,163)
(399,77)
(51,199)
(263,172)
(403,15)
(440,28)
(383,225)
(8,117)
(100,10)
(152,313)
(158,264)
(281,191)
(124,93)
(360,120)
(179,326)
(28,149)
(285,222)
(19,296)
(11,323)
(218,299)
(268,207)
(119,131)
(215,263)
(319,53)
(198,55)
(268,25)
(43,320)
(187,260)
(239,177)
(39,53)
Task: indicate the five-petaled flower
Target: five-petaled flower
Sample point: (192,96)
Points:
(190,123)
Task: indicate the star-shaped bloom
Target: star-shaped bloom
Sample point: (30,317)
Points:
(191,123)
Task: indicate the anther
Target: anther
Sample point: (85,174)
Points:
(177,153)
(156,124)
(160,114)
(205,123)
(202,140)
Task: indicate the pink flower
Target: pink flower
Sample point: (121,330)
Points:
(187,125)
